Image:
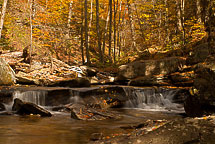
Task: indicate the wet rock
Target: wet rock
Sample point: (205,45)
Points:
(82,112)
(6,113)
(202,94)
(182,79)
(103,97)
(77,82)
(96,136)
(199,54)
(157,80)
(61,109)
(150,67)
(2,107)
(27,108)
(7,75)
(88,71)
(6,95)
(24,78)
(192,106)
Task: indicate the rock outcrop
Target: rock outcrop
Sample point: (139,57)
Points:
(82,112)
(7,75)
(150,68)
(199,54)
(202,98)
(76,82)
(2,107)
(27,108)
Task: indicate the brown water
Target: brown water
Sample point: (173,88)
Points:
(61,129)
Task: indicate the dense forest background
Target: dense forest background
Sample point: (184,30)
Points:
(105,31)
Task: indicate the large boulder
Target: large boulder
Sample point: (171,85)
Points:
(182,78)
(24,78)
(202,98)
(157,80)
(199,54)
(27,108)
(7,75)
(150,68)
(88,71)
(76,82)
(2,107)
(82,112)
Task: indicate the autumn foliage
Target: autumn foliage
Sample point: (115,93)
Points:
(138,26)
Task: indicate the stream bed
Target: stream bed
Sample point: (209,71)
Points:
(61,129)
(141,106)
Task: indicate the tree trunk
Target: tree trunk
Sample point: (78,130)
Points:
(90,24)
(2,16)
(110,27)
(105,33)
(69,16)
(31,33)
(86,35)
(198,13)
(69,29)
(98,32)
(132,27)
(119,30)
(82,34)
(167,22)
(115,13)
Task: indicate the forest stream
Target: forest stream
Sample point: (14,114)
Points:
(147,108)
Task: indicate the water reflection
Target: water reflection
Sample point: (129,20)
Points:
(61,129)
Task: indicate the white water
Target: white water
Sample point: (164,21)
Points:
(152,99)
(37,97)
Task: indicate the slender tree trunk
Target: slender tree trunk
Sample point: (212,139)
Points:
(82,34)
(124,22)
(31,33)
(110,27)
(69,16)
(90,23)
(131,27)
(98,31)
(167,22)
(210,26)
(69,29)
(105,33)
(115,13)
(2,16)
(198,13)
(86,35)
(119,30)
(182,20)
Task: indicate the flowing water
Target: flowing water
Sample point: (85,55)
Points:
(62,129)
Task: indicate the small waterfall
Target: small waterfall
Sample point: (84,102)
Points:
(152,99)
(37,97)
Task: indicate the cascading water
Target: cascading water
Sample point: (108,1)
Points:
(152,99)
(37,97)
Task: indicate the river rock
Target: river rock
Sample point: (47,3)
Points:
(7,75)
(76,82)
(27,108)
(182,79)
(157,80)
(82,112)
(150,68)
(88,71)
(24,78)
(202,94)
(199,54)
(2,107)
